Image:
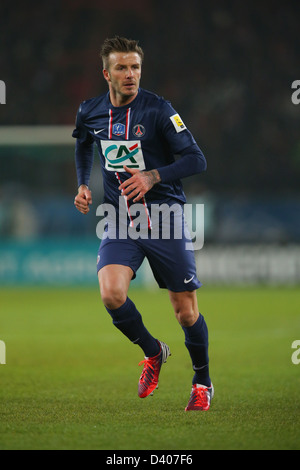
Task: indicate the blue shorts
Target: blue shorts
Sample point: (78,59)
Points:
(172,264)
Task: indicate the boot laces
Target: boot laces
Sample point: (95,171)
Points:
(148,364)
(200,396)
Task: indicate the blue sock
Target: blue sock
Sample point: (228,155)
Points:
(196,341)
(129,321)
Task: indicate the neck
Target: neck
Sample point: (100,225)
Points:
(118,100)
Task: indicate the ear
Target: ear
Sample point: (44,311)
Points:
(106,75)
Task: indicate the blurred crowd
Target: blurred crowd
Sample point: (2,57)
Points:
(227,67)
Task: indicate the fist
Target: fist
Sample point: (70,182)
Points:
(83,199)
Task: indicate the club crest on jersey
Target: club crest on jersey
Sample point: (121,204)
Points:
(139,130)
(120,153)
(118,129)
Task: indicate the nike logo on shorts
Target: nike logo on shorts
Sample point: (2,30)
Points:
(186,281)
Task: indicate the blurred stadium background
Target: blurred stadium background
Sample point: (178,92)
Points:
(227,68)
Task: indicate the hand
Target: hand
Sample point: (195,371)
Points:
(139,183)
(83,199)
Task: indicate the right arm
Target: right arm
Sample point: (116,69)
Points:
(83,199)
(84,158)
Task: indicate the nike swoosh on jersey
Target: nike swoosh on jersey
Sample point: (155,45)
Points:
(97,132)
(186,281)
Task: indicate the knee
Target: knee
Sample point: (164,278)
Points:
(114,282)
(113,296)
(186,317)
(185,307)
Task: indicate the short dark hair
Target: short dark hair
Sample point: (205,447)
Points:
(119,44)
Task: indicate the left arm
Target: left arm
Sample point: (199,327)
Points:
(192,161)
(139,183)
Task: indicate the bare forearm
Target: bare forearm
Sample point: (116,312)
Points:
(153,177)
(139,183)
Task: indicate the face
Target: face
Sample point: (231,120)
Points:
(123,76)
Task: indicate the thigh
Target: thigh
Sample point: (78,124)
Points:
(170,257)
(120,252)
(117,263)
(173,266)
(114,281)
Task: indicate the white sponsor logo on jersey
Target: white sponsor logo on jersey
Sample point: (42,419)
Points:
(120,153)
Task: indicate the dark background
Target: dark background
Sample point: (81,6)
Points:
(227,67)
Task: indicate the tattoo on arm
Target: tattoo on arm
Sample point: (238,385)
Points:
(153,177)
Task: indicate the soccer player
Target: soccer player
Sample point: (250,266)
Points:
(138,135)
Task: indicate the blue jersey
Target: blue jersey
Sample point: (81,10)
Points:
(145,134)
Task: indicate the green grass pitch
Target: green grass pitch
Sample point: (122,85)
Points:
(70,378)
